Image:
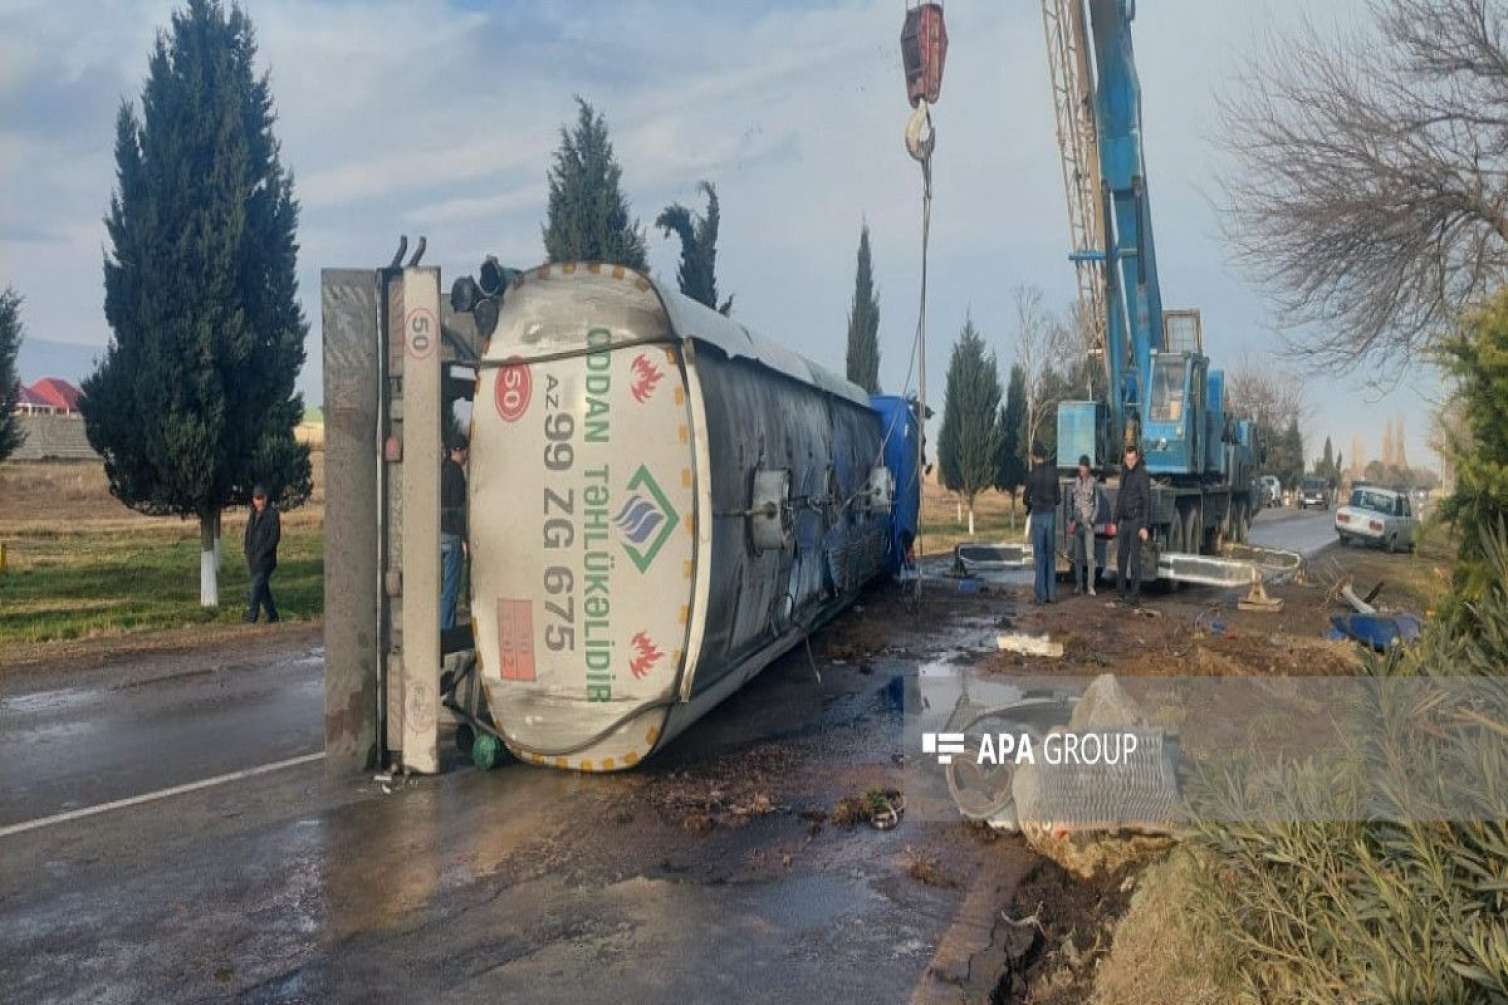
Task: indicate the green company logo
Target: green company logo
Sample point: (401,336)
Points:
(646,520)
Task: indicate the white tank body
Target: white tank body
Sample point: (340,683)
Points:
(620,586)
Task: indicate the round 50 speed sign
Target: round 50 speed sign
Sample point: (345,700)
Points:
(421,331)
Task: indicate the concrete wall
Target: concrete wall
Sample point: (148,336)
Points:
(54,437)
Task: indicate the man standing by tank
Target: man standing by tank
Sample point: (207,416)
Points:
(452,529)
(1042,498)
(1133,509)
(263,529)
(1087,507)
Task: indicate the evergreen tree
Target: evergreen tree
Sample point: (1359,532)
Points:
(1285,457)
(1326,466)
(1013,467)
(193,403)
(968,445)
(697,275)
(11,332)
(1340,467)
(588,215)
(864,322)
(1477,357)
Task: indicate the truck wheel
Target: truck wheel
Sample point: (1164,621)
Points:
(1392,544)
(1193,531)
(1173,536)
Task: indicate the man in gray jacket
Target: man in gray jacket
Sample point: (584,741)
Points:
(1088,507)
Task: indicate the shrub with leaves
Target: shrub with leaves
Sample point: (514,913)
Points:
(1477,357)
(1399,903)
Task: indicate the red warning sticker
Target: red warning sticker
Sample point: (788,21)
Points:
(515,638)
(513,389)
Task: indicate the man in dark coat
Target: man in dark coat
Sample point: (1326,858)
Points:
(452,529)
(1133,511)
(263,529)
(1042,498)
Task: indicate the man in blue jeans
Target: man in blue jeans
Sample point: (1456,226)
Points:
(1042,498)
(452,530)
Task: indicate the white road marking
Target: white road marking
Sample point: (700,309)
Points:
(147,797)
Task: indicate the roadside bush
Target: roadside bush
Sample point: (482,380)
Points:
(1477,357)
(1373,910)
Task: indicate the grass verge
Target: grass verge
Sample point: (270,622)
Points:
(91,582)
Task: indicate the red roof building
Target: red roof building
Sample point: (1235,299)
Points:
(61,395)
(28,402)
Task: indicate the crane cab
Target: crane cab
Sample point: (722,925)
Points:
(1174,427)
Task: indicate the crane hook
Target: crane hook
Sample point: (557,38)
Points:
(920,136)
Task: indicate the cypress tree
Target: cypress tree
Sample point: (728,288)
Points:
(587,219)
(968,445)
(1327,460)
(697,275)
(194,402)
(864,322)
(1013,446)
(11,331)
(1477,357)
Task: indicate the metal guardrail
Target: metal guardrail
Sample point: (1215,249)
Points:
(1238,565)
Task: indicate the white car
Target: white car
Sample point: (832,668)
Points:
(1377,516)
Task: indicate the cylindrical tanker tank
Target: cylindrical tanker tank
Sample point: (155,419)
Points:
(661,504)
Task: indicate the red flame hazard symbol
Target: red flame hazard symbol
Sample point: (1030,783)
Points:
(648,655)
(646,377)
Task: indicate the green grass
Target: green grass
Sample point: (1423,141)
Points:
(941,533)
(71,585)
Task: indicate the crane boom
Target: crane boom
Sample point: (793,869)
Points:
(1135,297)
(1161,394)
(1072,80)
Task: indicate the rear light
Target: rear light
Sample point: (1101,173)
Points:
(1374,525)
(1343,517)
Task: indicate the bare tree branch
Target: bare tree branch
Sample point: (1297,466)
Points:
(1043,344)
(1267,394)
(1370,196)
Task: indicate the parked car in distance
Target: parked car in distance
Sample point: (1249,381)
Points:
(1272,490)
(1314,492)
(1377,516)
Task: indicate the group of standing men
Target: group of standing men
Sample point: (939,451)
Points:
(1090,513)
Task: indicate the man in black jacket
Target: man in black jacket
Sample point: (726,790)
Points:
(263,529)
(1042,497)
(452,530)
(1133,509)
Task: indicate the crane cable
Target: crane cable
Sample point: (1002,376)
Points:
(921,138)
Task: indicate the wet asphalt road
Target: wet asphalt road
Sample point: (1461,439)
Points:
(522,884)
(1304,531)
(77,740)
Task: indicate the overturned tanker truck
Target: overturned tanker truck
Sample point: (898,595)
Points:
(660,504)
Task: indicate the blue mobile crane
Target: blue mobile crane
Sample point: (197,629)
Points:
(1159,389)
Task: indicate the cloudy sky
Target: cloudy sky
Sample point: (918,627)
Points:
(438,117)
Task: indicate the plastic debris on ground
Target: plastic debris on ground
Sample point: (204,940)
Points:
(1030,645)
(1379,631)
